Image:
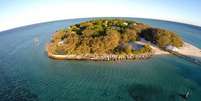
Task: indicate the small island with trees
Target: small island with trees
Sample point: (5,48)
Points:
(111,39)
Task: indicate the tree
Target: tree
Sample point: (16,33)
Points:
(163,41)
(86,24)
(84,46)
(70,42)
(88,32)
(132,34)
(149,34)
(112,39)
(128,49)
(58,36)
(164,38)
(177,41)
(98,46)
(146,48)
(107,36)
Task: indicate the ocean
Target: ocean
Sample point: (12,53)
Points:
(27,74)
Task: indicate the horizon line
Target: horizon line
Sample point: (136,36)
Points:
(56,20)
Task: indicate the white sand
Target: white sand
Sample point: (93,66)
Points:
(187,50)
(156,50)
(190,50)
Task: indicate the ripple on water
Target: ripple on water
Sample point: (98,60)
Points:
(28,75)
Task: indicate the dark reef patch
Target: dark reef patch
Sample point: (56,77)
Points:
(140,92)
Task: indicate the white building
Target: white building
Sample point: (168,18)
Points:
(172,48)
(125,23)
(134,24)
(60,43)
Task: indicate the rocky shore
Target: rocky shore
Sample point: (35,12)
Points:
(188,58)
(189,52)
(95,57)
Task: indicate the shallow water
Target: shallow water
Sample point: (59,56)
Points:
(26,74)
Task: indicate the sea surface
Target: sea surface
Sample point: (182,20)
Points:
(27,74)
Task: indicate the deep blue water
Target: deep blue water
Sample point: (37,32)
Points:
(27,74)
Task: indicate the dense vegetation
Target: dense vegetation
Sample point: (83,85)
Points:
(109,36)
(162,37)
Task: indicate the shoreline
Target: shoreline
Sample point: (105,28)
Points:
(188,52)
(109,57)
(156,50)
(95,57)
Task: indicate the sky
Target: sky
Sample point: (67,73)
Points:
(16,13)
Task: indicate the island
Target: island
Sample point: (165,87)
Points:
(113,39)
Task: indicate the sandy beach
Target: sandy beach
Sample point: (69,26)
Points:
(104,57)
(156,50)
(187,51)
(190,50)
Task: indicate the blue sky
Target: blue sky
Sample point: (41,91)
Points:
(15,13)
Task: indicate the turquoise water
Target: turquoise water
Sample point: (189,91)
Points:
(26,74)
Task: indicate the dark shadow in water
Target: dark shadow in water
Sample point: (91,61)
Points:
(14,89)
(140,92)
(192,74)
(17,94)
